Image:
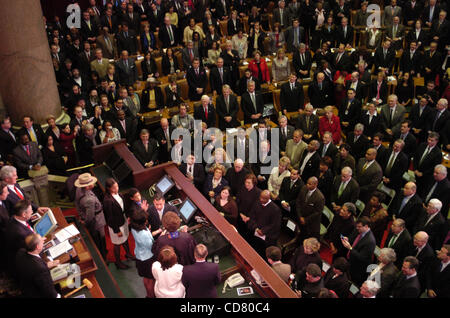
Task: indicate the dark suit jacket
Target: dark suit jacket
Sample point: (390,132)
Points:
(14,235)
(127,76)
(291,100)
(311,209)
(159,99)
(410,143)
(199,174)
(350,113)
(143,156)
(34,276)
(420,121)
(23,161)
(319,98)
(382,152)
(395,123)
(200,280)
(289,36)
(221,109)
(406,288)
(283,139)
(216,82)
(164,153)
(114,22)
(166,65)
(361,256)
(407,64)
(410,211)
(231,29)
(187,63)
(114,215)
(344,63)
(164,37)
(348,38)
(299,66)
(207,186)
(369,179)
(129,43)
(437,280)
(357,149)
(311,166)
(440,192)
(195,81)
(340,285)
(425,257)
(249,109)
(434,228)
(267,219)
(289,194)
(401,246)
(381,61)
(388,278)
(399,167)
(199,114)
(7,143)
(40,135)
(313,128)
(350,193)
(423,37)
(373,91)
(373,127)
(439,124)
(432,159)
(153,216)
(331,152)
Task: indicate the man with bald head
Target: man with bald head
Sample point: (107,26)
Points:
(407,205)
(264,223)
(236,176)
(163,136)
(309,205)
(368,174)
(422,250)
(206,111)
(399,239)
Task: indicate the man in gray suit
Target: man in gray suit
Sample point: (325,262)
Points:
(390,12)
(395,33)
(392,116)
(294,35)
(295,148)
(368,174)
(106,42)
(281,15)
(28,158)
(189,53)
(273,255)
(127,70)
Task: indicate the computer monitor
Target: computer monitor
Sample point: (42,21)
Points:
(164,185)
(113,160)
(187,210)
(46,224)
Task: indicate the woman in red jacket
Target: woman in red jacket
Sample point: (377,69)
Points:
(259,68)
(330,122)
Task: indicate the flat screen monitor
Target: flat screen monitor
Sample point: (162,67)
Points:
(46,224)
(164,185)
(113,160)
(187,210)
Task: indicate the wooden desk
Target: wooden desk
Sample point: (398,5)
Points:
(86,262)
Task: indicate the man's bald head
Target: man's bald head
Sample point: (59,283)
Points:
(264,197)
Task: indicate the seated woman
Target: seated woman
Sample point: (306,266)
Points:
(66,141)
(306,254)
(280,67)
(215,182)
(169,63)
(405,90)
(54,157)
(377,214)
(225,204)
(277,175)
(220,158)
(148,66)
(109,133)
(214,53)
(330,122)
(259,68)
(167,273)
(343,159)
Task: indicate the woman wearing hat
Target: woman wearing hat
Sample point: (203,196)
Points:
(90,210)
(113,207)
(152,97)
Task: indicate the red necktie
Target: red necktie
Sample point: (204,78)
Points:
(18,193)
(354,244)
(29,226)
(28,150)
(378,91)
(206,112)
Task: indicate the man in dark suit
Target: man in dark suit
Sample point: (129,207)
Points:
(193,171)
(127,40)
(345,189)
(340,60)
(168,34)
(132,18)
(236,176)
(289,191)
(392,115)
(200,279)
(407,205)
(244,80)
(286,133)
(33,273)
(427,156)
(219,76)
(294,35)
(411,60)
(163,135)
(282,15)
(227,108)
(408,138)
(437,187)
(189,54)
(89,29)
(308,123)
(206,112)
(34,131)
(361,245)
(408,285)
(27,156)
(126,68)
(109,20)
(358,142)
(126,126)
(309,206)
(344,33)
(439,116)
(146,149)
(438,276)
(377,144)
(157,210)
(370,121)
(197,80)
(17,229)
(412,11)
(420,117)
(302,61)
(8,140)
(432,61)
(83,59)
(395,165)
(424,253)
(384,58)
(252,104)
(349,111)
(291,95)
(155,17)
(399,240)
(319,91)
(368,174)
(327,148)
(309,164)
(264,222)
(432,222)
(430,13)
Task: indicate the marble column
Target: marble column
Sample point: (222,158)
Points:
(27,80)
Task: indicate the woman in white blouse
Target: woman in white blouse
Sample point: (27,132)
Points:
(239,41)
(109,133)
(167,273)
(280,67)
(277,175)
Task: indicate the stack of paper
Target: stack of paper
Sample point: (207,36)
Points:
(66,233)
(59,249)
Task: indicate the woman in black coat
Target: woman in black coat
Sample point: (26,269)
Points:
(54,157)
(84,142)
(149,67)
(306,254)
(114,208)
(336,278)
(169,60)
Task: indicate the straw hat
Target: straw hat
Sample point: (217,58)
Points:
(85,180)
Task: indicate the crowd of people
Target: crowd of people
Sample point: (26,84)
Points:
(333,155)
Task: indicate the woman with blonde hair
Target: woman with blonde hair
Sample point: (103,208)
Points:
(306,254)
(277,175)
(215,182)
(281,68)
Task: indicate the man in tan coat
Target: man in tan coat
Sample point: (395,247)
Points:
(295,148)
(100,64)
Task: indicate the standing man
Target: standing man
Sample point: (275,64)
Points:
(309,204)
(368,174)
